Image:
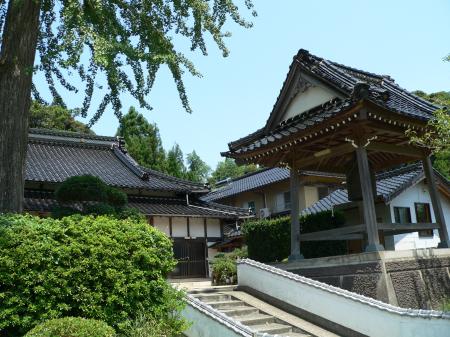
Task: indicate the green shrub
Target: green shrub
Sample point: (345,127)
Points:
(224,271)
(81,188)
(72,327)
(269,240)
(90,195)
(147,326)
(82,266)
(116,197)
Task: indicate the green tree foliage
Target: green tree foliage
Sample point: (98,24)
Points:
(437,136)
(175,162)
(198,170)
(55,117)
(124,43)
(229,169)
(269,240)
(142,140)
(72,327)
(83,266)
(90,195)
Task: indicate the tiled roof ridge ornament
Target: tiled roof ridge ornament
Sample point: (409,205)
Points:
(129,161)
(303,55)
(121,144)
(361,90)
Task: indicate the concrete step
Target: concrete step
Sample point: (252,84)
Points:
(240,311)
(272,328)
(207,298)
(296,334)
(256,319)
(226,304)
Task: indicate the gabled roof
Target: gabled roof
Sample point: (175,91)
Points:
(353,85)
(390,184)
(255,180)
(54,156)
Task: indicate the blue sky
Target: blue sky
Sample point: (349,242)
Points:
(406,39)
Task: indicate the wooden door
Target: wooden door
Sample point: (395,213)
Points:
(191,257)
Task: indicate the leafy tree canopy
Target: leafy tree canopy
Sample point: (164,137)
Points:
(175,162)
(142,140)
(55,117)
(198,170)
(229,169)
(124,43)
(437,136)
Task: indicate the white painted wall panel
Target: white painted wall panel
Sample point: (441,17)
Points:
(213,226)
(162,223)
(196,227)
(179,227)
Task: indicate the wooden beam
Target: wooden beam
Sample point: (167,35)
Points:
(403,150)
(341,231)
(436,202)
(370,217)
(322,155)
(319,237)
(295,213)
(414,227)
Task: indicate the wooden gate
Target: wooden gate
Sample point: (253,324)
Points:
(191,256)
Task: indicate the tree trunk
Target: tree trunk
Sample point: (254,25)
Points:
(16,63)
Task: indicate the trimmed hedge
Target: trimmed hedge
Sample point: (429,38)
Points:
(82,266)
(72,327)
(269,240)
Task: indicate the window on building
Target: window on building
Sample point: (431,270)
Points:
(423,214)
(287,200)
(251,206)
(402,215)
(323,192)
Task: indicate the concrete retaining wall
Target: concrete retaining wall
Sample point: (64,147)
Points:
(355,312)
(418,279)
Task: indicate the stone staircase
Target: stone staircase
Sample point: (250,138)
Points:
(248,315)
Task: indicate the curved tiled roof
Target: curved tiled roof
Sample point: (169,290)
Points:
(40,201)
(389,185)
(54,156)
(248,182)
(381,90)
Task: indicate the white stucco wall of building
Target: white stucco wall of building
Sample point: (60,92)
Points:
(417,194)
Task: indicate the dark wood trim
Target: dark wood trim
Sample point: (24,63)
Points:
(221,228)
(151,221)
(205,228)
(322,155)
(170,226)
(403,149)
(188,227)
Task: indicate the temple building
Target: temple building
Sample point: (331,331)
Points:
(333,118)
(170,204)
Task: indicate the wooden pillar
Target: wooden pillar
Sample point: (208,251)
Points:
(370,217)
(436,202)
(295,224)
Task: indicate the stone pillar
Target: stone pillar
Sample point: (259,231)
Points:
(436,202)
(370,217)
(295,224)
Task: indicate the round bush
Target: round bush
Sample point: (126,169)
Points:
(72,327)
(116,197)
(81,188)
(82,266)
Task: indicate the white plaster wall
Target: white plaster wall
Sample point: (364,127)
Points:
(335,305)
(204,325)
(196,227)
(311,98)
(213,227)
(162,223)
(179,227)
(417,193)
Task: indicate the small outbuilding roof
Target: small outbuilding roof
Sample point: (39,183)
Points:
(258,179)
(389,185)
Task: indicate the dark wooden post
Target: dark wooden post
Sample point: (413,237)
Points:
(370,217)
(436,202)
(295,224)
